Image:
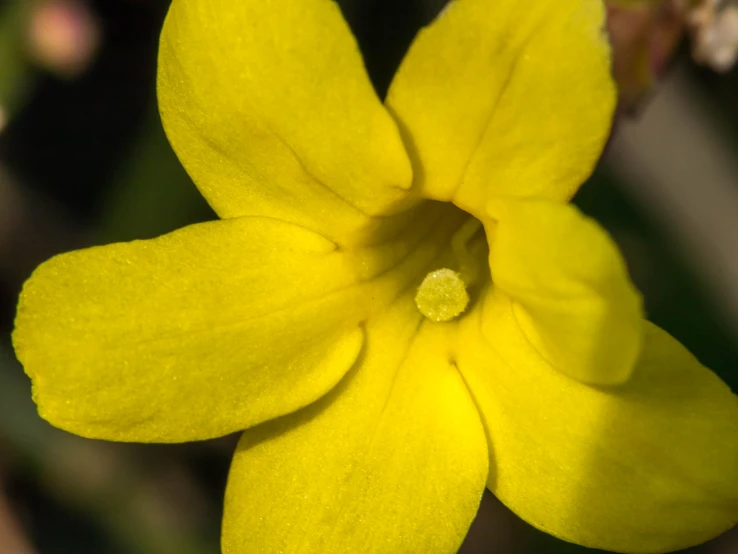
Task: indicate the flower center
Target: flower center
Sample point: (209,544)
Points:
(443,295)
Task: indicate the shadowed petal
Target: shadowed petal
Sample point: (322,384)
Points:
(573,297)
(647,466)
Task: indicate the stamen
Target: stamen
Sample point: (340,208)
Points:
(468,264)
(442,295)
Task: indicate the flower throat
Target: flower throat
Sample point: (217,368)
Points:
(443,296)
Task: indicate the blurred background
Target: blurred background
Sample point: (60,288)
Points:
(83,161)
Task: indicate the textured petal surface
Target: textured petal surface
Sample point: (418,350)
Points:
(271,112)
(392,460)
(213,328)
(506,97)
(573,297)
(195,334)
(648,466)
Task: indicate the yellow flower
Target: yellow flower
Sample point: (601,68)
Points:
(370,427)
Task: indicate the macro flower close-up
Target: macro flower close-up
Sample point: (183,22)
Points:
(399,307)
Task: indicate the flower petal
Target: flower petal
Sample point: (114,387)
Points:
(648,466)
(392,460)
(508,97)
(196,334)
(573,297)
(271,112)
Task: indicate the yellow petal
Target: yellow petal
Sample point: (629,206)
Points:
(573,297)
(392,460)
(196,334)
(270,110)
(505,97)
(649,466)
